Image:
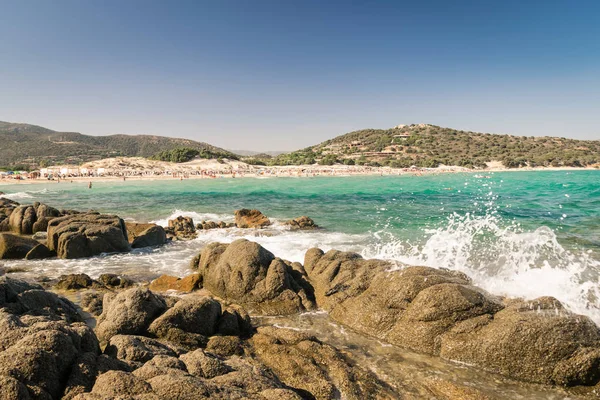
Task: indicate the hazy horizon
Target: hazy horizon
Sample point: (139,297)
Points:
(276,76)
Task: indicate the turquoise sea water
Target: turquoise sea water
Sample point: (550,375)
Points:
(515,233)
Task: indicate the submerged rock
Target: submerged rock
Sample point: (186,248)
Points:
(250,275)
(245,218)
(75,282)
(86,235)
(145,235)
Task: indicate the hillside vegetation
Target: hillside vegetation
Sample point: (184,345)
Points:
(24,146)
(426,145)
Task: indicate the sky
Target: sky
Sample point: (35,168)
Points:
(282,75)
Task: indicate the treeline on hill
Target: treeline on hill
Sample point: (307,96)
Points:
(184,154)
(430,146)
(30,147)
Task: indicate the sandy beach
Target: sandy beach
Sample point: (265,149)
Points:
(138,168)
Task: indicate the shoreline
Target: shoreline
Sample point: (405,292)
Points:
(300,171)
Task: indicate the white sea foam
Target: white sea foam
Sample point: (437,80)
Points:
(505,260)
(197,217)
(25,195)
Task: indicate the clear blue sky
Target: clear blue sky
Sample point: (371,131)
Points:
(280,75)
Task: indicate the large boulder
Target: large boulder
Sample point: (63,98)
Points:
(245,218)
(439,312)
(130,312)
(15,247)
(248,274)
(86,235)
(40,340)
(28,219)
(145,235)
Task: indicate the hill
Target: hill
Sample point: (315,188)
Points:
(427,145)
(31,146)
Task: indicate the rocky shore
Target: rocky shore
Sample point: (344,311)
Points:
(198,336)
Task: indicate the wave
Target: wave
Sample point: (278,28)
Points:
(25,195)
(505,260)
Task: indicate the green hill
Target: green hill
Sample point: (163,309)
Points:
(426,145)
(29,146)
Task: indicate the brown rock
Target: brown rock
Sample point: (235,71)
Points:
(246,273)
(75,282)
(168,282)
(245,218)
(183,227)
(303,222)
(86,235)
(15,247)
(118,383)
(39,252)
(145,235)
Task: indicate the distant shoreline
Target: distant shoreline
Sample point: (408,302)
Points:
(296,171)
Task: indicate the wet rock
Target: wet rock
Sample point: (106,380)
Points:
(439,312)
(115,281)
(204,365)
(129,312)
(302,362)
(182,227)
(246,273)
(245,218)
(535,341)
(39,252)
(168,282)
(206,225)
(145,235)
(75,282)
(15,247)
(86,235)
(303,222)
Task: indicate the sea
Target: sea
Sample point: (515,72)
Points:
(518,234)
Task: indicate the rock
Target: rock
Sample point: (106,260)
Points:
(180,387)
(439,312)
(303,222)
(39,252)
(302,362)
(44,214)
(75,282)
(168,282)
(161,365)
(234,321)
(82,376)
(247,274)
(225,346)
(92,302)
(145,235)
(113,384)
(21,220)
(15,247)
(245,218)
(189,321)
(129,312)
(115,281)
(11,388)
(204,365)
(135,350)
(535,341)
(279,394)
(86,235)
(183,227)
